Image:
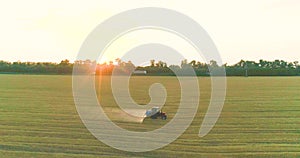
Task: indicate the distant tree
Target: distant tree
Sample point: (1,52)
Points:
(65,62)
(213,63)
(152,63)
(193,63)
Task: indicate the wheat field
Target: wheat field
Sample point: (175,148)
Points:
(260,118)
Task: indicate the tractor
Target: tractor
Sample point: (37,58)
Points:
(155,113)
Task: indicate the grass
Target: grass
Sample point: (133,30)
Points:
(261,118)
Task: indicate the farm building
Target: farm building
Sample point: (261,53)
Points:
(140,72)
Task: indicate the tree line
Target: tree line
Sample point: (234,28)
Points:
(156,68)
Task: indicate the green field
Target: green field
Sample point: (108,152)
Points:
(260,118)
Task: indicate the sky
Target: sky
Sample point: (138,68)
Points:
(53,30)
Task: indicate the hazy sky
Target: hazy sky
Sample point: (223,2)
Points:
(52,30)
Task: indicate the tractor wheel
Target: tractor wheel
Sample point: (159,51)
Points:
(164,117)
(153,117)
